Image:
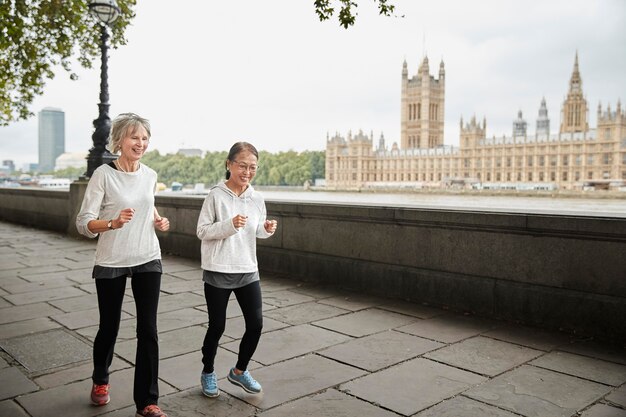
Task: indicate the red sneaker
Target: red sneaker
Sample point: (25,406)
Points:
(100,394)
(151,411)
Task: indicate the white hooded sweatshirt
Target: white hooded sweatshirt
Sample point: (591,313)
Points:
(225,248)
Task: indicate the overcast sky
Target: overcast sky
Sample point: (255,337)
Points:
(209,73)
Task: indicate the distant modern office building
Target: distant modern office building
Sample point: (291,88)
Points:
(577,157)
(51,137)
(30,167)
(8,165)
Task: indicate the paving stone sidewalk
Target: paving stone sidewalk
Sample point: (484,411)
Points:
(324,351)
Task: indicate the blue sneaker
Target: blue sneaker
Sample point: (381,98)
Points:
(245,381)
(209,384)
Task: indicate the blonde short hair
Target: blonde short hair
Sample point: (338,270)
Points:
(121,126)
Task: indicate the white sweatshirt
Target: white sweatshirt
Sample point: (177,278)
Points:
(110,191)
(225,248)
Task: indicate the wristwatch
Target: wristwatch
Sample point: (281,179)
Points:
(110,224)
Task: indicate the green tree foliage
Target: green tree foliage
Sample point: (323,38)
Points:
(283,168)
(325,9)
(71,173)
(36,36)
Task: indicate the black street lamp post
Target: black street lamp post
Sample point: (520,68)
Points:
(106,11)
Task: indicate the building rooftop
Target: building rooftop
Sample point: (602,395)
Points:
(324,351)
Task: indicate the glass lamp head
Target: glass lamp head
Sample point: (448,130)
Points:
(105,10)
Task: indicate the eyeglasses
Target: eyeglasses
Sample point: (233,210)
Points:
(245,167)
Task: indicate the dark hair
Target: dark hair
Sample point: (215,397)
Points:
(236,149)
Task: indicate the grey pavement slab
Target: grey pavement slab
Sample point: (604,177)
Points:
(127,331)
(270,283)
(365,322)
(3,363)
(177,319)
(583,367)
(288,343)
(484,356)
(89,288)
(86,265)
(304,313)
(20,328)
(174,302)
(461,406)
(603,410)
(77,275)
(329,403)
(11,264)
(172,266)
(316,291)
(235,327)
(38,270)
(74,304)
(594,349)
(532,391)
(79,319)
(11,281)
(412,386)
(173,285)
(183,371)
(172,343)
(27,312)
(4,303)
(618,397)
(38,286)
(40,351)
(293,379)
(531,337)
(380,350)
(122,412)
(10,408)
(51,257)
(192,403)
(411,309)
(189,274)
(285,298)
(233,309)
(9,273)
(44,295)
(354,301)
(14,383)
(72,400)
(75,372)
(449,328)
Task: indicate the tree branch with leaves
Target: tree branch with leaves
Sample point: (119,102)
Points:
(325,9)
(37,36)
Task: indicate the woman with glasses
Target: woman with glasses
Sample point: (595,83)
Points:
(233,216)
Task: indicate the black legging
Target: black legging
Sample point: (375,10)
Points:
(249,298)
(146,288)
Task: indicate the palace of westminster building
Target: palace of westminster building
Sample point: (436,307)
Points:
(577,157)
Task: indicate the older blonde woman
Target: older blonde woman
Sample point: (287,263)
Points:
(119,207)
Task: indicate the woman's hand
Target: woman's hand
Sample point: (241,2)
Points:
(239,221)
(125,216)
(270,226)
(162,224)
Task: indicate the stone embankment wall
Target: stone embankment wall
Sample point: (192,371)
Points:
(551,271)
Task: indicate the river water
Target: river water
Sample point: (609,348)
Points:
(580,206)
